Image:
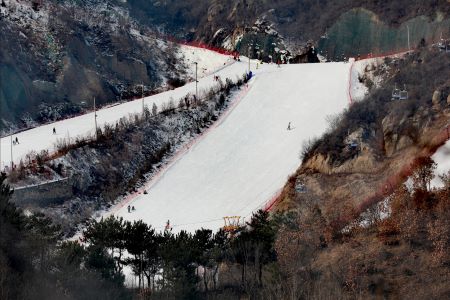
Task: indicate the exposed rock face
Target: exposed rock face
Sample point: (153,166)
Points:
(364,161)
(436,99)
(66,54)
(319,163)
(394,140)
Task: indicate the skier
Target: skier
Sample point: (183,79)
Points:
(132,208)
(289,126)
(167,225)
(129,208)
(17,140)
(54,130)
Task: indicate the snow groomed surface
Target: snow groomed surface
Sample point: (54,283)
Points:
(239,165)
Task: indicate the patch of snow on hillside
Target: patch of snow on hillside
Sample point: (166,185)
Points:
(442,159)
(208,61)
(364,68)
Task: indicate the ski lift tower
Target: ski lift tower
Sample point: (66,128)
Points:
(444,45)
(395,93)
(231,224)
(196,80)
(403,94)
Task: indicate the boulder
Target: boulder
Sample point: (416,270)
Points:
(436,99)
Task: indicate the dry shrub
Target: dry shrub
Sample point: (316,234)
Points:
(388,229)
(439,235)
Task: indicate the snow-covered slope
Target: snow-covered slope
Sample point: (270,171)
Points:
(442,159)
(208,61)
(238,164)
(246,158)
(41,138)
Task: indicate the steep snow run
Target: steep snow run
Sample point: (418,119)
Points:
(233,169)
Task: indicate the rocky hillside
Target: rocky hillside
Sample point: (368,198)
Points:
(56,56)
(364,24)
(51,48)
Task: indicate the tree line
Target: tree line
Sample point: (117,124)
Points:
(184,265)
(35,262)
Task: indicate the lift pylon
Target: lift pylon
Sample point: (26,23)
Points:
(231,223)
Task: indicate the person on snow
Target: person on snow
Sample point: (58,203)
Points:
(132,208)
(129,207)
(54,130)
(17,140)
(167,225)
(289,126)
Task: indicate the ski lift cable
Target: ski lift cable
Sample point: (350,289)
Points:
(213,220)
(192,223)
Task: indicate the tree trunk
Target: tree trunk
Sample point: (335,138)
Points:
(205,279)
(148,280)
(139,271)
(260,274)
(257,263)
(214,276)
(243,274)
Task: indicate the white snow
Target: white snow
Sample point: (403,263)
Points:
(208,61)
(442,159)
(359,90)
(238,165)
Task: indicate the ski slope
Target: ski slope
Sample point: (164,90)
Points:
(244,160)
(42,138)
(237,165)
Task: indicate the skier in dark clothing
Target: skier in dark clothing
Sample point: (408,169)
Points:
(289,126)
(54,130)
(129,207)
(17,140)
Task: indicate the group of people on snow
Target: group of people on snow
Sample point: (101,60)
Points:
(16,140)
